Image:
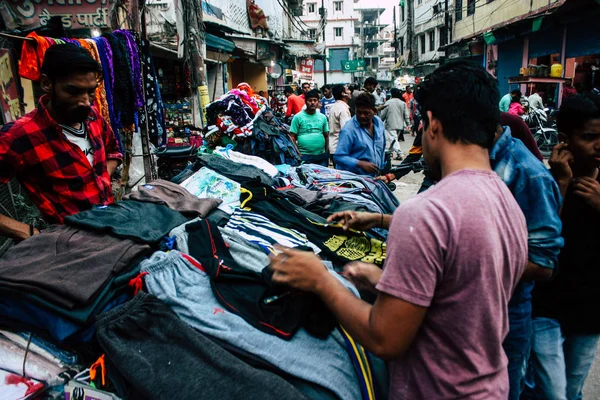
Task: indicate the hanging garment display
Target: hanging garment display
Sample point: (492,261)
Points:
(32,56)
(123,86)
(154,105)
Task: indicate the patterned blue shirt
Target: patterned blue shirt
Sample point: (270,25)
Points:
(539,198)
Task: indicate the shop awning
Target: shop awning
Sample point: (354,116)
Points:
(398,65)
(219,24)
(163,50)
(219,44)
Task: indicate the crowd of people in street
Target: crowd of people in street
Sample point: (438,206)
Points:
(489,287)
(497,226)
(378,124)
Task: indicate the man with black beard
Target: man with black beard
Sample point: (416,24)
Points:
(63,153)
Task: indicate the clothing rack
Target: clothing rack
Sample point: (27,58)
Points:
(9,36)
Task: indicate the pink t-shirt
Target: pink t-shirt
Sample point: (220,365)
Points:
(458,249)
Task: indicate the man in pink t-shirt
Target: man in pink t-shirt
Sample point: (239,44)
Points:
(455,255)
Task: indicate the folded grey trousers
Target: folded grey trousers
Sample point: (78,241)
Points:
(164,358)
(186,289)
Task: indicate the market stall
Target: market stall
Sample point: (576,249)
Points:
(166,295)
(243,120)
(131,104)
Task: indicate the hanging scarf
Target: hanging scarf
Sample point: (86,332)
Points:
(100,103)
(136,69)
(154,104)
(106,58)
(123,86)
(32,56)
(72,41)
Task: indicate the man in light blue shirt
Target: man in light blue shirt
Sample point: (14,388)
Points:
(539,198)
(361,147)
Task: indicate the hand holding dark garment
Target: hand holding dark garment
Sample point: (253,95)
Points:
(300,270)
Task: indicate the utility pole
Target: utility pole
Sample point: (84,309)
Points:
(410,32)
(395,38)
(448,25)
(324,18)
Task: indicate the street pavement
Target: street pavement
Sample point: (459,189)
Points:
(408,186)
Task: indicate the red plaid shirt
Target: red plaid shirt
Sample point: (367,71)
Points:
(55,172)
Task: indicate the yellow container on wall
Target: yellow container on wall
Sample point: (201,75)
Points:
(556,71)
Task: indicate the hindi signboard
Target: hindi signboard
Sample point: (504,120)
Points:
(9,93)
(307,68)
(74,14)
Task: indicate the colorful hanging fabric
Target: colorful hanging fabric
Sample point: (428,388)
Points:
(154,104)
(32,56)
(72,41)
(123,85)
(257,15)
(101,102)
(136,68)
(106,58)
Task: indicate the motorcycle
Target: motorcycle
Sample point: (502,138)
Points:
(543,129)
(174,159)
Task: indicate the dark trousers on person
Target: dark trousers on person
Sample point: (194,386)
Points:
(320,159)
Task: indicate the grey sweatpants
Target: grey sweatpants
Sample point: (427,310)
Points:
(186,289)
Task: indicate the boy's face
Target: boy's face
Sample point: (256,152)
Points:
(584,144)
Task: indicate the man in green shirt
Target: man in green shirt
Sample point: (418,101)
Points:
(507,99)
(312,132)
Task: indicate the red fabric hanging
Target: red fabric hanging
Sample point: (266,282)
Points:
(32,56)
(257,15)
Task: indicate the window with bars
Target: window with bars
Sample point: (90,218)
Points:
(401,45)
(402,13)
(338,32)
(458,9)
(443,36)
(422,39)
(432,40)
(470,7)
(338,5)
(312,33)
(311,7)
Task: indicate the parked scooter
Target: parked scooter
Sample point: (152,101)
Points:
(172,160)
(543,129)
